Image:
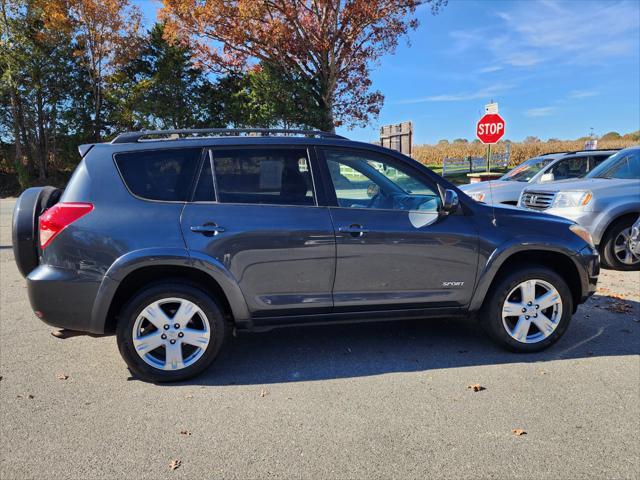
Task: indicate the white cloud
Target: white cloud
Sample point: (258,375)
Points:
(490,69)
(484,93)
(562,32)
(577,94)
(540,112)
(580,32)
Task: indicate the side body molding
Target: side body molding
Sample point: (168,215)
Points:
(497,257)
(179,257)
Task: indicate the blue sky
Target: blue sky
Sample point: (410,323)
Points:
(557,69)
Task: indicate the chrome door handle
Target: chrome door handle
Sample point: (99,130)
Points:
(354,230)
(208,229)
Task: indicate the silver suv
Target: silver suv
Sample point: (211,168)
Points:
(606,202)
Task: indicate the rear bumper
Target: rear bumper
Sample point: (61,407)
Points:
(63,298)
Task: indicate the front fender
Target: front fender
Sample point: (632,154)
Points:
(501,254)
(179,257)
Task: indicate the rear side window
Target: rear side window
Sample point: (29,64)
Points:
(159,174)
(277,176)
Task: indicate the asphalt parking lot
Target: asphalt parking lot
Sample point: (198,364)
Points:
(362,401)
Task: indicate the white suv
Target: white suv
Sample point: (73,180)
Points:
(543,169)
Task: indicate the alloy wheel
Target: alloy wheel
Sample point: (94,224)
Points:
(622,248)
(532,311)
(171,333)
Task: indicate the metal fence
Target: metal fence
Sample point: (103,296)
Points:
(453,166)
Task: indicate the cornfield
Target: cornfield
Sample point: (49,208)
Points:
(433,155)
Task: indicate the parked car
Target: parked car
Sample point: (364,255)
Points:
(175,238)
(542,169)
(606,202)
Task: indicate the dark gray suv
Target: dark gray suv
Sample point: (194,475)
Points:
(173,239)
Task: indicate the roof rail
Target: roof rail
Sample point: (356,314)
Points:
(571,152)
(595,150)
(133,137)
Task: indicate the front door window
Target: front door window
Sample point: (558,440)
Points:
(363,180)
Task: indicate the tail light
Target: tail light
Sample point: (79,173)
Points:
(59,217)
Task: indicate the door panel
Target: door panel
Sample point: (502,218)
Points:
(282,257)
(254,212)
(393,247)
(401,258)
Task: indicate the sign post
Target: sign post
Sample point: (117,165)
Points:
(490,129)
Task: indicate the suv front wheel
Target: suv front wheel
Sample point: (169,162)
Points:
(528,310)
(170,332)
(615,247)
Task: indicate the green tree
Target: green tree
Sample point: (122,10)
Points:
(36,63)
(611,136)
(266,97)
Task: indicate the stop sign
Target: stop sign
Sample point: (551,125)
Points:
(490,128)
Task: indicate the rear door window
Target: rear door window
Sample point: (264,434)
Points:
(165,175)
(572,167)
(276,176)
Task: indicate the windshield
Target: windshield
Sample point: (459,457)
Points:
(527,170)
(624,165)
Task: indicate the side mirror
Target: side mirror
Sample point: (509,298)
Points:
(547,177)
(450,202)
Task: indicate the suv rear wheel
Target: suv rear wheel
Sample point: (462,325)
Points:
(170,332)
(615,247)
(528,310)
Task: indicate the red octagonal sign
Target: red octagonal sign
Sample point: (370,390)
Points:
(490,128)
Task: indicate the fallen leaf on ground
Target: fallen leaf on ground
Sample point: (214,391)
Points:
(185,432)
(264,392)
(476,387)
(175,464)
(619,307)
(62,376)
(188,395)
(518,432)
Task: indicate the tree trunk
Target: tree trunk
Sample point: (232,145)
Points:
(16,129)
(327,123)
(41,154)
(98,113)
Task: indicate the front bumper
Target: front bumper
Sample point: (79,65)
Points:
(62,298)
(589,261)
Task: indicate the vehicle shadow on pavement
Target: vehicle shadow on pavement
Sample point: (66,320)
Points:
(604,326)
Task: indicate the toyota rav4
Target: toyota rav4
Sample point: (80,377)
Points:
(174,239)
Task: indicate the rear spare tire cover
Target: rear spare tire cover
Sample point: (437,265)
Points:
(28,208)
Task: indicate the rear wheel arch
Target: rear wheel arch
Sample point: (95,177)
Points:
(144,276)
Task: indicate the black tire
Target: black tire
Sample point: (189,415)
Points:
(219,330)
(608,245)
(29,206)
(491,313)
